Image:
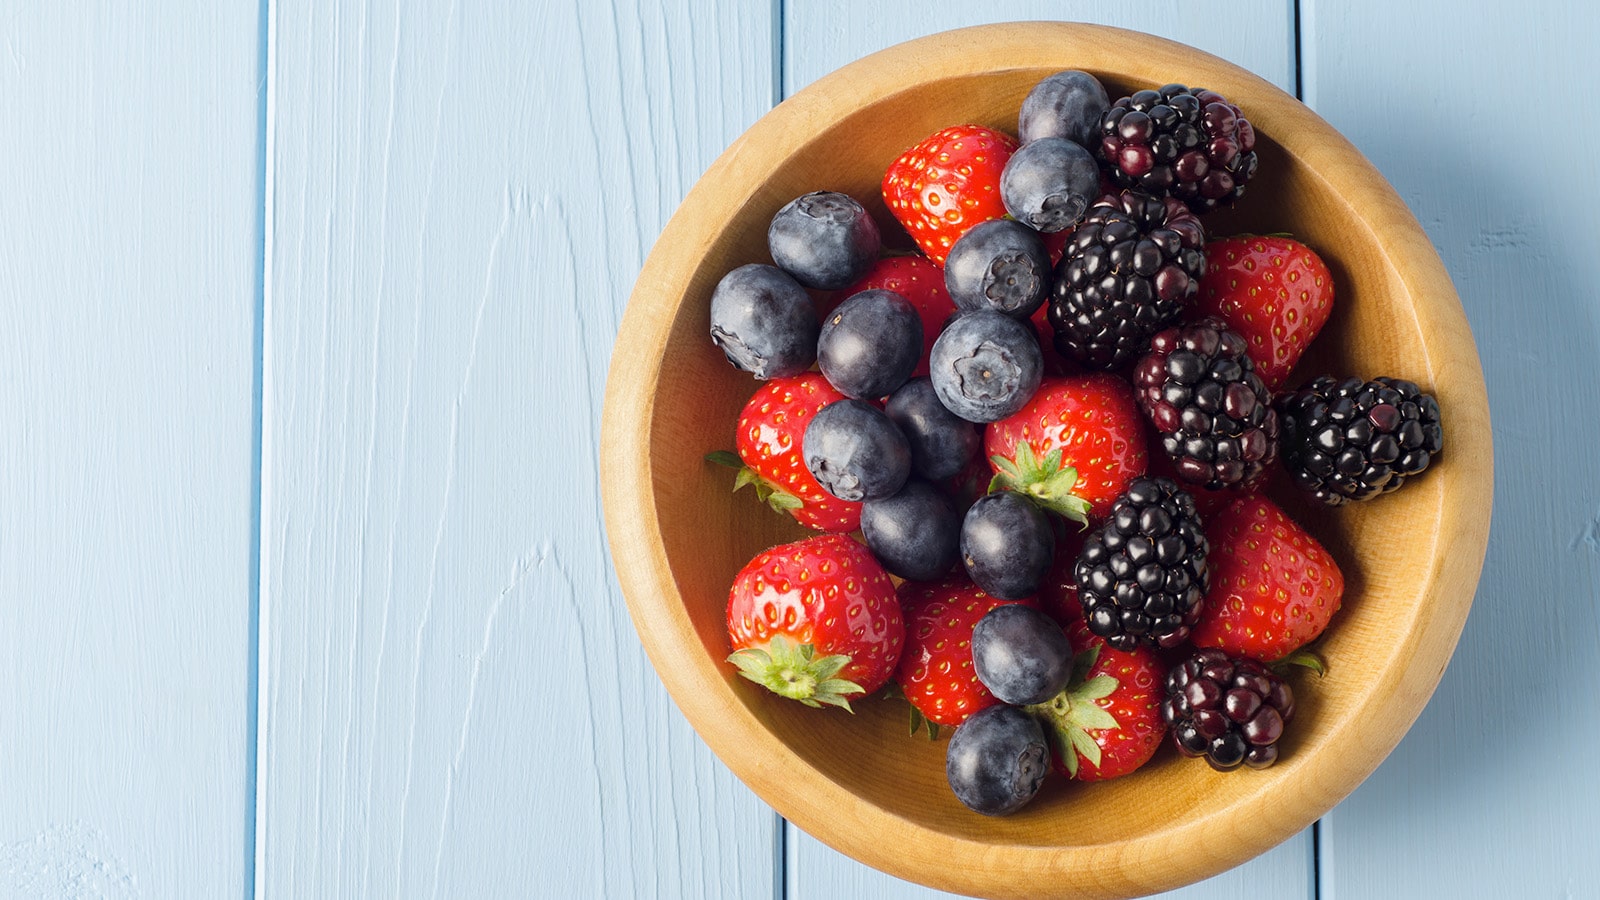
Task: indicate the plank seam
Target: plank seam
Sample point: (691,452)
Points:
(266,111)
(1299,55)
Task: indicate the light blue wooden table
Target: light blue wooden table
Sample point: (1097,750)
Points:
(305,313)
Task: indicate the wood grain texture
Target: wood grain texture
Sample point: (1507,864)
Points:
(1405,602)
(816,870)
(129,253)
(822,36)
(1493,792)
(454,702)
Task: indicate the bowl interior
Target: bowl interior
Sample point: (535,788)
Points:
(806,762)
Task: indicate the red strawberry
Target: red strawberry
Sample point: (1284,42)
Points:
(1274,291)
(935,670)
(1107,722)
(815,621)
(947,184)
(1273,587)
(772,428)
(1074,447)
(921,282)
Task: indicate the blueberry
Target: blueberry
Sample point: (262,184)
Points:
(870,343)
(985,365)
(997,760)
(1065,105)
(1049,184)
(1021,655)
(942,443)
(765,322)
(999,265)
(916,533)
(824,239)
(1007,545)
(855,452)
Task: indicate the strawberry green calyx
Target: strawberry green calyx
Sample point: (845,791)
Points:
(780,500)
(796,672)
(1304,658)
(1044,481)
(1068,717)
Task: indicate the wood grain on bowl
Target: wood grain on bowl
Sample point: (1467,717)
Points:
(857,782)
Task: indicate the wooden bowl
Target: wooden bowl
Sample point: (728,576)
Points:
(859,783)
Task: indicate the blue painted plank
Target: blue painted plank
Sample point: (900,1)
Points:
(455,703)
(129,257)
(822,36)
(1493,792)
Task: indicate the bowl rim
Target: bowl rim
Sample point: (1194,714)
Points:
(1256,820)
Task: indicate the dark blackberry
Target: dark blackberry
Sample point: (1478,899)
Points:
(1199,386)
(1142,575)
(1128,271)
(1230,711)
(1350,439)
(1181,142)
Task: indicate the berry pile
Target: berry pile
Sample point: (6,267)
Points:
(1051,428)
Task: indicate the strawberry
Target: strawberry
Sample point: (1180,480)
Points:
(815,621)
(771,432)
(1074,447)
(1274,291)
(921,282)
(1273,587)
(947,184)
(1107,721)
(935,672)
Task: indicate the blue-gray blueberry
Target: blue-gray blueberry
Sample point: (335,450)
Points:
(869,344)
(1065,105)
(997,760)
(1007,545)
(1021,655)
(764,322)
(942,443)
(855,452)
(1000,265)
(915,533)
(1048,184)
(825,239)
(986,365)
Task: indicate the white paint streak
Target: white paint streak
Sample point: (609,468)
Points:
(449,490)
(530,561)
(65,863)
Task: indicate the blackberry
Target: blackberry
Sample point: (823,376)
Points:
(1142,575)
(1128,271)
(1230,711)
(1181,142)
(1199,386)
(1349,440)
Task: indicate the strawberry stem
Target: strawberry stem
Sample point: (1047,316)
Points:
(1304,658)
(1068,717)
(796,672)
(1045,481)
(767,492)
